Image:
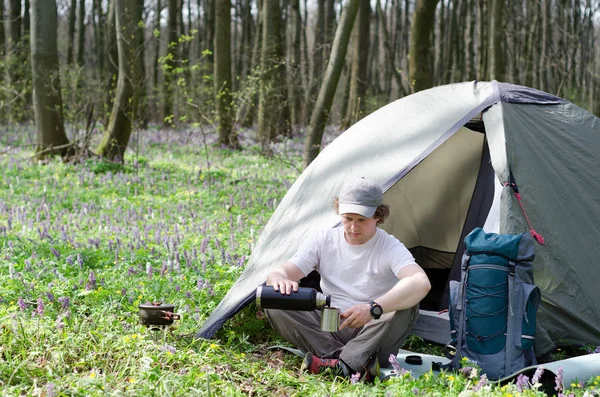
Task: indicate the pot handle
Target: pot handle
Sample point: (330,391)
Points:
(170,315)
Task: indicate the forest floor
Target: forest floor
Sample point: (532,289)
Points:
(83,243)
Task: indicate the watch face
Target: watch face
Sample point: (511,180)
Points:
(376,311)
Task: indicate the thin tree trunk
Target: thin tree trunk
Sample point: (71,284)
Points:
(471,47)
(141,112)
(248,108)
(420,52)
(112,64)
(358,74)
(14,23)
(81,34)
(223,95)
(483,39)
(26,18)
(169,64)
(543,78)
(388,50)
(99,36)
(155,62)
(316,65)
(71,31)
(50,132)
(116,138)
(273,113)
(320,113)
(2,36)
(496,39)
(294,72)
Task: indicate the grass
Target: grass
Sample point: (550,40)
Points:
(82,245)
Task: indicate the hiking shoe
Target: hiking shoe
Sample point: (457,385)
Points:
(316,365)
(372,370)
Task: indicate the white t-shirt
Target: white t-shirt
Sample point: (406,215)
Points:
(353,274)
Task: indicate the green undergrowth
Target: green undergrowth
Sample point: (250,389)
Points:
(82,244)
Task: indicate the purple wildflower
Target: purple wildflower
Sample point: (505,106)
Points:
(559,380)
(149,270)
(177,288)
(168,348)
(64,301)
(204,245)
(537,375)
(394,362)
(130,271)
(50,389)
(55,252)
(416,391)
(482,382)
(91,281)
(200,284)
(22,304)
(50,296)
(355,378)
(40,307)
(522,382)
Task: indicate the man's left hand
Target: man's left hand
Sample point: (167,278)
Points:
(356,316)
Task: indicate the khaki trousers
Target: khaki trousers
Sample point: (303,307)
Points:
(354,346)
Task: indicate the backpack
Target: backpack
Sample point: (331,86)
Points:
(493,307)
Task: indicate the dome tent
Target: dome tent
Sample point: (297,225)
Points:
(445,158)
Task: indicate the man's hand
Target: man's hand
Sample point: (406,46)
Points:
(285,286)
(356,316)
(285,278)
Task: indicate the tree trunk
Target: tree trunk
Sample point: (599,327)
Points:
(112,64)
(26,18)
(472,69)
(273,112)
(421,76)
(294,72)
(541,66)
(139,49)
(169,64)
(50,131)
(358,74)
(71,31)
(2,37)
(496,39)
(247,110)
(388,50)
(99,36)
(320,113)
(155,62)
(116,137)
(223,95)
(81,34)
(316,56)
(482,49)
(14,23)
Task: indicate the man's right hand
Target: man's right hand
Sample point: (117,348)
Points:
(285,278)
(285,286)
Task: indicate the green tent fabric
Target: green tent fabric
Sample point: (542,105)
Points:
(445,157)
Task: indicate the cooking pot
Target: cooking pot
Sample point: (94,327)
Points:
(157,313)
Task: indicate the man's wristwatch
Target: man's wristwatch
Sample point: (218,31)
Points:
(376,310)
